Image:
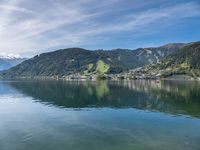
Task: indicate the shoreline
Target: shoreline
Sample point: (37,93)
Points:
(105,79)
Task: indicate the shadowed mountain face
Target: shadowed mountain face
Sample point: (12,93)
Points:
(6,63)
(168,97)
(76,60)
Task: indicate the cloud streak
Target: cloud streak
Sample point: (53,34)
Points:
(15,8)
(29,28)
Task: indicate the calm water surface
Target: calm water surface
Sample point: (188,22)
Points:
(117,115)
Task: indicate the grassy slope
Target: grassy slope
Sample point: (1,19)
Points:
(183,61)
(102,67)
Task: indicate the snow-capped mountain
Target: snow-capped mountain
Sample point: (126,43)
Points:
(9,60)
(9,56)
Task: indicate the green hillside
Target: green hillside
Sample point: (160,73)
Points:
(76,60)
(183,61)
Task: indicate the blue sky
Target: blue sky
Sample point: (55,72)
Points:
(29,27)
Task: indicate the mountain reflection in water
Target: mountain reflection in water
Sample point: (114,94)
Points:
(167,96)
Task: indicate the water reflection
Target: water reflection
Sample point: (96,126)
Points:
(166,96)
(34,115)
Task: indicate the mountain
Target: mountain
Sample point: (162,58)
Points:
(183,61)
(156,54)
(78,60)
(7,62)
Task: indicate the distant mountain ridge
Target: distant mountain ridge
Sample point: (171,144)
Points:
(8,62)
(77,60)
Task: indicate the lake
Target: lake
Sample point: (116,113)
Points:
(89,115)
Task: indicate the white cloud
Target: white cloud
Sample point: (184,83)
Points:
(15,8)
(31,28)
